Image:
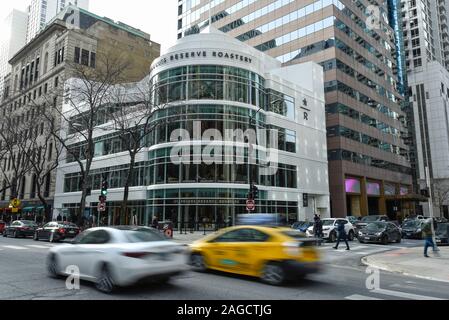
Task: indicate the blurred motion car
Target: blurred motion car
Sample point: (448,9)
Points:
(359,225)
(114,257)
(56,231)
(20,228)
(442,234)
(412,229)
(272,254)
(380,232)
(330,229)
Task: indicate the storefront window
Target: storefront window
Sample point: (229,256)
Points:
(352,185)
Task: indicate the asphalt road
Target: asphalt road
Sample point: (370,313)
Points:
(23,276)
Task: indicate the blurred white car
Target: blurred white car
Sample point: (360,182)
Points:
(330,229)
(118,256)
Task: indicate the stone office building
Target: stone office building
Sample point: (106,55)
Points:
(40,67)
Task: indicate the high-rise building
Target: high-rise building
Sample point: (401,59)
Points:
(426,48)
(13,38)
(356,43)
(42,12)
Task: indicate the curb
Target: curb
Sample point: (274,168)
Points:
(364,260)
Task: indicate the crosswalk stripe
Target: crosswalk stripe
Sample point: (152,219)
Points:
(15,247)
(37,246)
(404,295)
(361,297)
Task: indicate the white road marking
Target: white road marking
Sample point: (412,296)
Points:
(404,295)
(15,247)
(37,246)
(360,297)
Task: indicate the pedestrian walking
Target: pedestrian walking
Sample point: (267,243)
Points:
(342,236)
(155,223)
(318,229)
(428,238)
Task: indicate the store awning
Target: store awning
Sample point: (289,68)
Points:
(40,208)
(27,209)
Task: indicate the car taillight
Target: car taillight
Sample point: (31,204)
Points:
(137,255)
(61,230)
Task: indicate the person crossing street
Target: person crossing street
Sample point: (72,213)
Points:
(342,236)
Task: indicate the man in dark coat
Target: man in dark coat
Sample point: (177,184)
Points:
(342,235)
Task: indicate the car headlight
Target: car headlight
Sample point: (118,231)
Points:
(326,229)
(360,233)
(379,234)
(419,230)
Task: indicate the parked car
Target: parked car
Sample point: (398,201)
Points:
(380,232)
(330,229)
(20,228)
(441,220)
(442,234)
(2,226)
(119,256)
(302,226)
(359,225)
(411,229)
(273,254)
(56,231)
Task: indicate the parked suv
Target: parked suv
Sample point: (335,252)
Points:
(330,229)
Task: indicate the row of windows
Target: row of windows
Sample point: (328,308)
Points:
(165,172)
(307,50)
(85,58)
(346,155)
(29,74)
(297,34)
(335,85)
(364,138)
(337,64)
(363,118)
(220,117)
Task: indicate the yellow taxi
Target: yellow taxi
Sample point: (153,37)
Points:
(273,254)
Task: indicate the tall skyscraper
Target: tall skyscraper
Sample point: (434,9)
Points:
(12,40)
(426,43)
(42,12)
(356,43)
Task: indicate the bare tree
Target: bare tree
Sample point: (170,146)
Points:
(133,121)
(14,135)
(440,189)
(85,99)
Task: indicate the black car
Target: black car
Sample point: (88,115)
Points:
(412,229)
(57,231)
(442,234)
(20,228)
(380,232)
(359,225)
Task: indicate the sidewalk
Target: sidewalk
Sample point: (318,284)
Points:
(189,237)
(411,262)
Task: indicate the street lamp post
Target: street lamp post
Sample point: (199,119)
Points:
(431,205)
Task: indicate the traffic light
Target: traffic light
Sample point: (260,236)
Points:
(425,193)
(255,192)
(102,199)
(104,188)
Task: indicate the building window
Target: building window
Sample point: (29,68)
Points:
(93,59)
(77,56)
(85,58)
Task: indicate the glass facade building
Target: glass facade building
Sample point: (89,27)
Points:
(214,92)
(357,44)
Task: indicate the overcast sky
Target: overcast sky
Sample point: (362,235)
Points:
(156,17)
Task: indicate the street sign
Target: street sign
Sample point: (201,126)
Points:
(250,205)
(15,203)
(102,207)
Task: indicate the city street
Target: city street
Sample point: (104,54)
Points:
(23,276)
